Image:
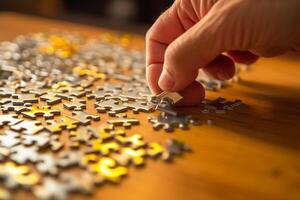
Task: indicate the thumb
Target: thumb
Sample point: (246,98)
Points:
(196,48)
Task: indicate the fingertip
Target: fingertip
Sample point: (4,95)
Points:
(153,72)
(192,95)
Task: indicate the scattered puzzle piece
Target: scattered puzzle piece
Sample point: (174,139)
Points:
(28,127)
(135,141)
(22,154)
(40,139)
(9,139)
(21,99)
(44,111)
(107,169)
(18,175)
(84,118)
(47,164)
(50,98)
(75,104)
(126,122)
(9,119)
(18,109)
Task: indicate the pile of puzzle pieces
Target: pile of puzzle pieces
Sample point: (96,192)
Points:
(54,91)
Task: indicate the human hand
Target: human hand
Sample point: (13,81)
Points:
(212,35)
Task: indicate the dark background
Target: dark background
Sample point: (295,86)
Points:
(125,15)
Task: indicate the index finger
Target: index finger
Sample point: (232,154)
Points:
(163,32)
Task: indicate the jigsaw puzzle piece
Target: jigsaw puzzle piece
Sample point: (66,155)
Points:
(84,118)
(44,111)
(28,127)
(125,122)
(9,119)
(108,169)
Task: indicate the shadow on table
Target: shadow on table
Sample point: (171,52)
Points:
(276,120)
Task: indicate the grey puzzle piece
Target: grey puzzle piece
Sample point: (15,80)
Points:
(47,164)
(174,148)
(69,158)
(110,105)
(99,95)
(6,91)
(138,106)
(18,109)
(50,98)
(51,188)
(21,99)
(170,122)
(84,118)
(9,119)
(125,122)
(40,139)
(75,104)
(23,154)
(9,139)
(82,182)
(28,127)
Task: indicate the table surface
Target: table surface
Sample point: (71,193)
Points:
(252,152)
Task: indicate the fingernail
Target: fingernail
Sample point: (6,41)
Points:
(166,82)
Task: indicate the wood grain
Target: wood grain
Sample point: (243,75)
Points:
(250,153)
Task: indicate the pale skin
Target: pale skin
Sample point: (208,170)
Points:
(213,35)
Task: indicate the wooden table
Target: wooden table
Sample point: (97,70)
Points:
(252,152)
